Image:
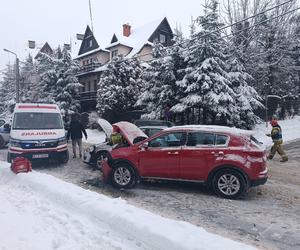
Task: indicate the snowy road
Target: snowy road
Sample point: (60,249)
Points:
(268,217)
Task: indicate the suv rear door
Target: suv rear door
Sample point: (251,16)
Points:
(200,154)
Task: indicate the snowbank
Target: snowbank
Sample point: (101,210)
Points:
(40,211)
(290,131)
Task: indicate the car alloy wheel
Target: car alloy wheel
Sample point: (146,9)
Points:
(122,176)
(229,184)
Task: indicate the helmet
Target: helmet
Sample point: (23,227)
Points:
(273,122)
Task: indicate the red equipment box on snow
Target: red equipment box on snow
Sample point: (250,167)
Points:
(21,165)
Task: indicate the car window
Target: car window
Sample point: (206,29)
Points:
(200,138)
(221,139)
(151,131)
(2,123)
(168,140)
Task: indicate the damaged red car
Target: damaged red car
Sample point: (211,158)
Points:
(228,160)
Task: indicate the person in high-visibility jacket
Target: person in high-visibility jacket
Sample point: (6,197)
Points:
(276,135)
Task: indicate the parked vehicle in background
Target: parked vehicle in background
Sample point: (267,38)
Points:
(38,132)
(156,123)
(226,159)
(95,154)
(4,132)
(152,130)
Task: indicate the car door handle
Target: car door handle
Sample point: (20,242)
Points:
(173,153)
(220,153)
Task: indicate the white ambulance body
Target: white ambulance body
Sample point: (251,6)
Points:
(37,132)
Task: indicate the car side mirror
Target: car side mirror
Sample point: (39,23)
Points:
(144,146)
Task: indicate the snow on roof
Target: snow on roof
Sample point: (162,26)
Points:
(75,46)
(90,52)
(213,128)
(138,37)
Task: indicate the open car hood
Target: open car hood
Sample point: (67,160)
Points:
(106,126)
(130,131)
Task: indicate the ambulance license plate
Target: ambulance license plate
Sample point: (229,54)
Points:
(39,156)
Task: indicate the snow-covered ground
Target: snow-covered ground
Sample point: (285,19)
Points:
(290,131)
(39,211)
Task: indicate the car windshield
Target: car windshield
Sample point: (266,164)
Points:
(34,120)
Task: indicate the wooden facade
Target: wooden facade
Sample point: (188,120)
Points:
(91,57)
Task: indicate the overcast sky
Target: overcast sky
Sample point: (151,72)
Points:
(58,21)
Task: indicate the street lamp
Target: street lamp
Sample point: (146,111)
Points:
(17,75)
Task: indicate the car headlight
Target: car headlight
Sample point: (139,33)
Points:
(91,149)
(62,142)
(15,143)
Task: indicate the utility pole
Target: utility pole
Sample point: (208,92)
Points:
(17,75)
(17,81)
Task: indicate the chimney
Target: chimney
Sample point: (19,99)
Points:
(126,29)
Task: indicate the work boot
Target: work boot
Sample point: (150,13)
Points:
(284,159)
(270,157)
(74,156)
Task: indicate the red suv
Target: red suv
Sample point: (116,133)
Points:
(228,160)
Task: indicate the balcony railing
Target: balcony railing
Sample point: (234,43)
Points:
(89,67)
(88,96)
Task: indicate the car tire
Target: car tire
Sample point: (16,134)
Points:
(100,157)
(2,142)
(229,184)
(123,176)
(65,157)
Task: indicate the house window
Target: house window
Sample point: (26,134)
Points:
(95,85)
(162,38)
(82,87)
(91,43)
(88,86)
(114,53)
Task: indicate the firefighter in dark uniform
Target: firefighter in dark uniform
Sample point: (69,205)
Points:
(276,135)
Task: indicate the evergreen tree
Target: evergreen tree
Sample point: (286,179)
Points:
(159,91)
(8,91)
(28,80)
(47,71)
(119,88)
(206,84)
(247,99)
(67,85)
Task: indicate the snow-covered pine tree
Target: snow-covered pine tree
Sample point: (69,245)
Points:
(67,85)
(47,71)
(8,91)
(247,99)
(208,98)
(119,88)
(28,80)
(159,90)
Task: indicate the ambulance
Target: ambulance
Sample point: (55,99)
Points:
(37,133)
